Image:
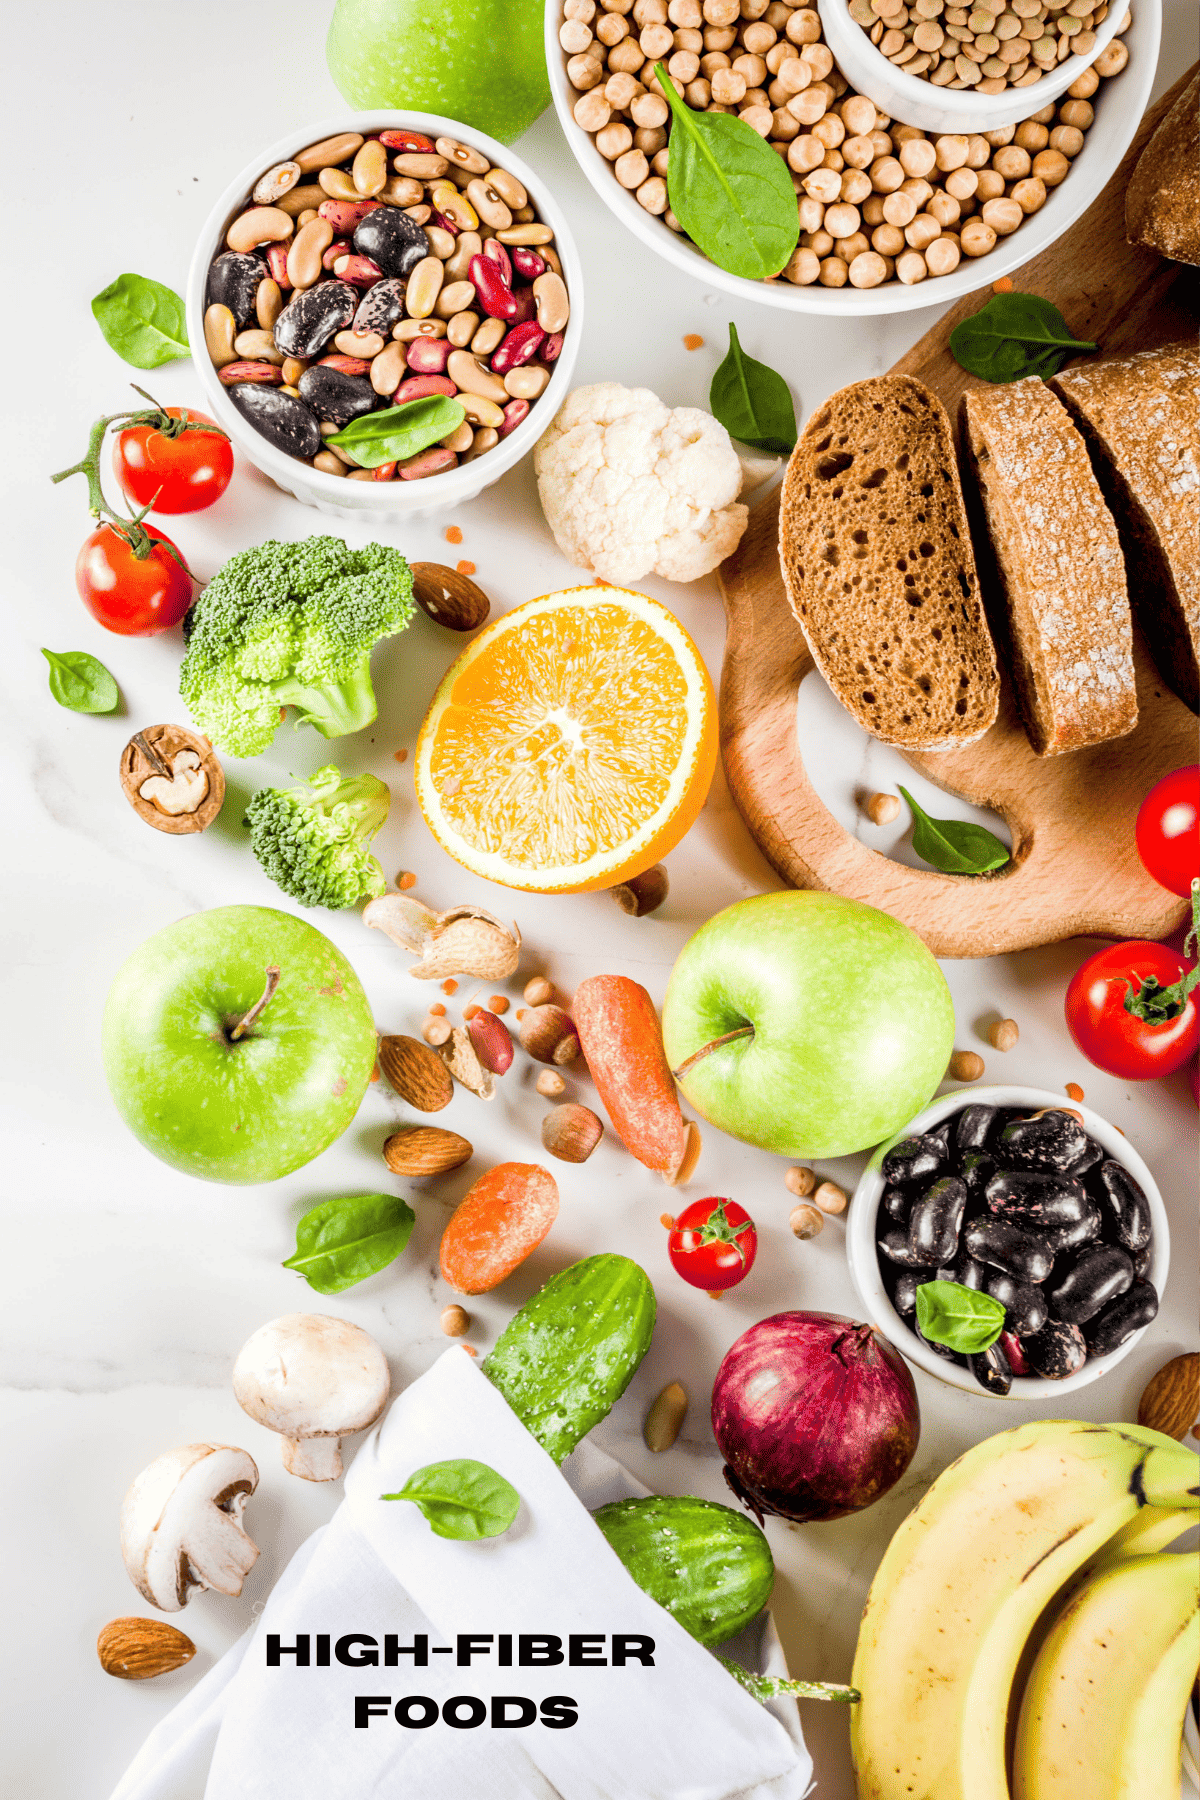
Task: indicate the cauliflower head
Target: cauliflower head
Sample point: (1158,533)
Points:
(631,487)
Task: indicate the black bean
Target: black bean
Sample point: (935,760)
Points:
(1116,1324)
(902,1291)
(1053,1140)
(233,282)
(943,1132)
(1037,1199)
(1056,1351)
(1025,1309)
(310,321)
(1124,1206)
(282,419)
(942,1350)
(965,1271)
(936,1219)
(896,1205)
(1018,1251)
(381,306)
(974,1125)
(914,1159)
(1095,1153)
(1096,1275)
(1143,1261)
(991,1369)
(1070,1237)
(391,239)
(977,1171)
(894,1246)
(336,397)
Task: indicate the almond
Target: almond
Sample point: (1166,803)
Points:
(1171,1402)
(449,598)
(138,1649)
(416,1072)
(417,1150)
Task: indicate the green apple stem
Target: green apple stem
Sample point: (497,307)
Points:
(250,1018)
(685,1068)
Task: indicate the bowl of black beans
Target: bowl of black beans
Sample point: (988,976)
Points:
(1030,1205)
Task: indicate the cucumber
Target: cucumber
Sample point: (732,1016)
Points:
(710,1567)
(571,1351)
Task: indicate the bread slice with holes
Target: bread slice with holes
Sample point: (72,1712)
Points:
(1140,417)
(879,570)
(1059,565)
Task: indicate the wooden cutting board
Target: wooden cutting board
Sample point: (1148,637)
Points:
(1074,866)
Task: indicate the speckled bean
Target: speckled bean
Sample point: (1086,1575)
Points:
(387,369)
(220,328)
(308,247)
(263,372)
(553,307)
(428,462)
(463,327)
(345,215)
(345,365)
(428,356)
(470,377)
(259,225)
(277,182)
(277,255)
(401,139)
(340,247)
(330,150)
(359,271)
(415,387)
(515,413)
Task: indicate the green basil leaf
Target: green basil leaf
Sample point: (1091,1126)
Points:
(462,1499)
(955,846)
(1012,336)
(732,195)
(752,402)
(959,1317)
(341,1242)
(400,431)
(142,320)
(81,683)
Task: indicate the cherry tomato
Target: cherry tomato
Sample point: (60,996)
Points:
(173,474)
(713,1244)
(1168,830)
(1099,1003)
(131,596)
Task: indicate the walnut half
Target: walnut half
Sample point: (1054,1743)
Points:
(172,779)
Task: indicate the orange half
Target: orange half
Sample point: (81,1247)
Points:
(571,745)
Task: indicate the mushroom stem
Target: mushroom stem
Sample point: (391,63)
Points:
(313,1458)
(250,1018)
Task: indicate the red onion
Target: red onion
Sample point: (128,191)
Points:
(815,1415)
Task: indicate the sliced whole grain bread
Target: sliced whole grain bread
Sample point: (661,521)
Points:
(879,569)
(1140,416)
(1162,201)
(1059,564)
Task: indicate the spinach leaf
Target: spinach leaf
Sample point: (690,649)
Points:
(81,683)
(752,402)
(955,845)
(462,1499)
(341,1242)
(142,320)
(400,431)
(959,1317)
(732,195)
(1013,335)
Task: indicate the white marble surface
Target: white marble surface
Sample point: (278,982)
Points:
(130,1288)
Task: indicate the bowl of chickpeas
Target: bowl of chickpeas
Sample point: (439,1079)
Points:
(891,217)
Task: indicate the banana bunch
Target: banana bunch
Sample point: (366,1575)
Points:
(957,1603)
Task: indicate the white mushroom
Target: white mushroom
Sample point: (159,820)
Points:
(181,1524)
(315,1379)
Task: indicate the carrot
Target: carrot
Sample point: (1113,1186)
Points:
(622,1043)
(498,1223)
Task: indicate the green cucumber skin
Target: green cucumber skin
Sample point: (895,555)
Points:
(567,1357)
(710,1567)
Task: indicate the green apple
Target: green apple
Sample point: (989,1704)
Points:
(807,1024)
(481,61)
(224,1069)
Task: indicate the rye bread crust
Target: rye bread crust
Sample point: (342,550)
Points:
(1162,201)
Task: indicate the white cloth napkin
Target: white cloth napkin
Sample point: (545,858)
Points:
(682,1730)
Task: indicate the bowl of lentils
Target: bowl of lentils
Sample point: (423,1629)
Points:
(891,217)
(385,312)
(1035,1228)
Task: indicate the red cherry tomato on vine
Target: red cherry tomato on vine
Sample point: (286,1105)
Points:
(1102,1015)
(136,597)
(173,474)
(1168,830)
(713,1244)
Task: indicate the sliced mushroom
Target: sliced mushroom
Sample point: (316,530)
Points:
(181,1524)
(314,1379)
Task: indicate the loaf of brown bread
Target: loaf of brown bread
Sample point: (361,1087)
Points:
(1162,201)
(1059,564)
(1141,418)
(879,569)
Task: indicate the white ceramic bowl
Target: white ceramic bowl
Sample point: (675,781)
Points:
(1122,102)
(915,101)
(864,1259)
(378,502)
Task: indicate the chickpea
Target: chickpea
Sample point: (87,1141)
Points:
(922,231)
(1051,166)
(1030,195)
(856,186)
(990,183)
(900,209)
(1068,139)
(842,220)
(721,12)
(819,58)
(1012,162)
(620,89)
(659,165)
(823,185)
(611,29)
(888,240)
(759,38)
(649,140)
(979,152)
(1032,136)
(819,242)
(631,169)
(652,195)
(1111,61)
(833,272)
(872,209)
(783,127)
(918,187)
(977,237)
(614,140)
(1085,86)
(803,268)
(779,53)
(809,105)
(592,111)
(698,94)
(1002,215)
(804,27)
(886,174)
(752,69)
(626,55)
(944,208)
(858,115)
(943,255)
(961,184)
(1077,112)
(881,141)
(951,152)
(574,36)
(859,152)
(868,270)
(917,156)
(713,63)
(812,213)
(584,72)
(830,131)
(795,75)
(805,154)
(911,267)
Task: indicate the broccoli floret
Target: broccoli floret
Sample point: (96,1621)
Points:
(291,625)
(312,839)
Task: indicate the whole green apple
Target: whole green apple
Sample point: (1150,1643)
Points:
(481,61)
(807,1024)
(238,1043)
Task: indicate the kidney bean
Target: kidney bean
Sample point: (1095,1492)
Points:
(277,255)
(903,1291)
(384,472)
(991,1369)
(266,372)
(415,387)
(521,345)
(914,1159)
(340,247)
(281,418)
(428,462)
(258,225)
(393,242)
(1053,1140)
(334,395)
(427,356)
(1056,1351)
(1037,1199)
(443,222)
(897,1204)
(233,282)
(1070,1237)
(496,252)
(1025,1309)
(405,140)
(965,1271)
(935,1220)
(1014,1350)
(527,264)
(1025,1254)
(1123,1206)
(346,215)
(1118,1321)
(1095,1276)
(494,293)
(309,321)
(360,271)
(345,365)
(552,348)
(515,413)
(972,1126)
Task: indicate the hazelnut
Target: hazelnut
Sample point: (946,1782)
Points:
(805,1221)
(1003,1034)
(571,1133)
(455,1322)
(881,809)
(643,893)
(550,1084)
(800,1182)
(538,991)
(830,1198)
(965,1066)
(549,1035)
